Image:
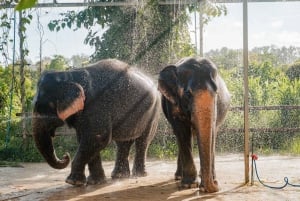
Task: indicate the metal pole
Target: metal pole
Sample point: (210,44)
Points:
(246,89)
(201,28)
(196,42)
(7,138)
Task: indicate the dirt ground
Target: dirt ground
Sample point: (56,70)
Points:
(38,181)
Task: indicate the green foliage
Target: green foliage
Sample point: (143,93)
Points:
(5,89)
(109,153)
(5,27)
(58,63)
(163,147)
(276,56)
(79,60)
(208,9)
(18,152)
(146,35)
(24,4)
(226,58)
(268,86)
(293,146)
(293,71)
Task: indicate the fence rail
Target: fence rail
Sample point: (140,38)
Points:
(131,3)
(66,131)
(264,130)
(266,108)
(273,107)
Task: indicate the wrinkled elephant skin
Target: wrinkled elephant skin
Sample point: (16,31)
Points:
(106,101)
(195,100)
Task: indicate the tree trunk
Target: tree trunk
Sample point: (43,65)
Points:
(22,77)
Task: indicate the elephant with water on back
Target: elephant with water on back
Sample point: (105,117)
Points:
(195,100)
(107,101)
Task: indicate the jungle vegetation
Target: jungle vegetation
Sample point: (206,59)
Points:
(149,37)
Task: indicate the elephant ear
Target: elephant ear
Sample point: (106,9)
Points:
(167,83)
(70,99)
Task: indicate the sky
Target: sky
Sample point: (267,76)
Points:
(269,24)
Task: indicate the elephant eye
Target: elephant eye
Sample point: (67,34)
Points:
(188,93)
(51,104)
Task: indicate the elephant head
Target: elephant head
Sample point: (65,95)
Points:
(195,97)
(56,100)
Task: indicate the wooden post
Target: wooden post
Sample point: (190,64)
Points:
(246,90)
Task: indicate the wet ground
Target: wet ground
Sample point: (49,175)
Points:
(38,181)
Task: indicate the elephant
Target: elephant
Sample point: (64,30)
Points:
(195,101)
(104,102)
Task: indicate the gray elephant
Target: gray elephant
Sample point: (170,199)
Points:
(107,101)
(195,100)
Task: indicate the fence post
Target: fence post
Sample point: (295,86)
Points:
(246,89)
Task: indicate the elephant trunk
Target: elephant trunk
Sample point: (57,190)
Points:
(205,121)
(42,133)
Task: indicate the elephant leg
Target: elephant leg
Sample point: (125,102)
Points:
(121,169)
(141,146)
(77,176)
(85,152)
(178,173)
(97,175)
(186,168)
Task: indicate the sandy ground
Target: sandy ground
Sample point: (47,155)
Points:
(38,181)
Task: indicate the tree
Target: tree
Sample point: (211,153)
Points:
(4,90)
(79,60)
(146,35)
(59,62)
(12,99)
(24,4)
(275,55)
(293,71)
(225,58)
(207,10)
(24,18)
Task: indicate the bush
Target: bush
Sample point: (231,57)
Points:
(18,152)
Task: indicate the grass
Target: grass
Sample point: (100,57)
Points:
(9,164)
(294,146)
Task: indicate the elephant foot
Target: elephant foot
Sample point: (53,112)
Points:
(139,173)
(189,183)
(76,179)
(139,170)
(212,188)
(120,174)
(93,180)
(177,178)
(178,175)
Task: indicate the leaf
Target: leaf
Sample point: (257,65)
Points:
(69,24)
(24,4)
(51,26)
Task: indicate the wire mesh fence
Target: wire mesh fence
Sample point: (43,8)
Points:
(270,134)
